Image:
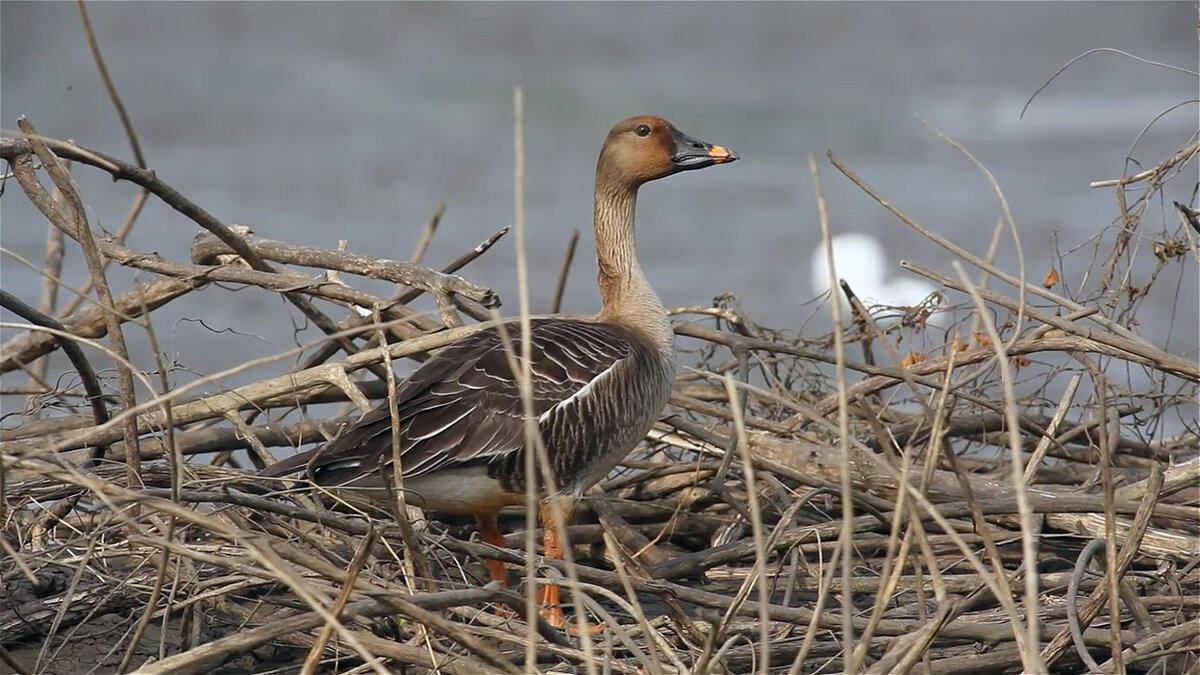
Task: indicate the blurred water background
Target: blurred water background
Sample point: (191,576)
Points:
(315,122)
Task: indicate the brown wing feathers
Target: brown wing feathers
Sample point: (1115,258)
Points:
(463,406)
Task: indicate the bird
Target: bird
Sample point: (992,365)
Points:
(598,384)
(860,259)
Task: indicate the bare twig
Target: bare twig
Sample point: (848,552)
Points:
(561,286)
(74,224)
(87,376)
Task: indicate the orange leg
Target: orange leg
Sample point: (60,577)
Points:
(489,531)
(552,547)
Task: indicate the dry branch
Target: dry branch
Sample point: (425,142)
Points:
(207,248)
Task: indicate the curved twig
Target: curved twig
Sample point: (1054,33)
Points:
(1085,557)
(87,375)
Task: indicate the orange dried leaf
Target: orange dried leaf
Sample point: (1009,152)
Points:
(981,338)
(912,358)
(958,346)
(1020,362)
(1050,279)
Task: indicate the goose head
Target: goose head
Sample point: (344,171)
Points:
(645,148)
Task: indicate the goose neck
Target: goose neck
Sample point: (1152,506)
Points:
(624,290)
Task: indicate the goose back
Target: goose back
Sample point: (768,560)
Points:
(597,389)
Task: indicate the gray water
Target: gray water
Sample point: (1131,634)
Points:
(326,121)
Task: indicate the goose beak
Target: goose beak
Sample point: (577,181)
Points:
(691,153)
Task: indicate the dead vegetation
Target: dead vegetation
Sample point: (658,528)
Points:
(1018,491)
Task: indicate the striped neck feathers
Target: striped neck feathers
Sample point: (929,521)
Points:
(627,296)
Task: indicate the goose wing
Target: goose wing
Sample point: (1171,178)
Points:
(463,406)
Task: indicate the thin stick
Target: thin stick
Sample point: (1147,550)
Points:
(415,566)
(328,350)
(87,375)
(427,233)
(206,249)
(1081,564)
(1031,658)
(106,80)
(1047,439)
(135,145)
(825,586)
(313,658)
(1107,431)
(847,484)
(524,375)
(90,322)
(537,463)
(74,224)
(50,283)
(317,601)
(175,462)
(561,286)
(1008,218)
(756,523)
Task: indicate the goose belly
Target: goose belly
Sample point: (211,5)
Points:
(460,490)
(463,490)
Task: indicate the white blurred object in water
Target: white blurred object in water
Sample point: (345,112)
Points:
(860,260)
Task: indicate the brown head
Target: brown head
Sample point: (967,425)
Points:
(646,148)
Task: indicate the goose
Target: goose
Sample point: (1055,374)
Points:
(598,384)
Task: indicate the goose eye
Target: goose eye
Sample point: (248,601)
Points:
(642,130)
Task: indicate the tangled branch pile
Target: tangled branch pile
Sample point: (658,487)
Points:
(1019,490)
